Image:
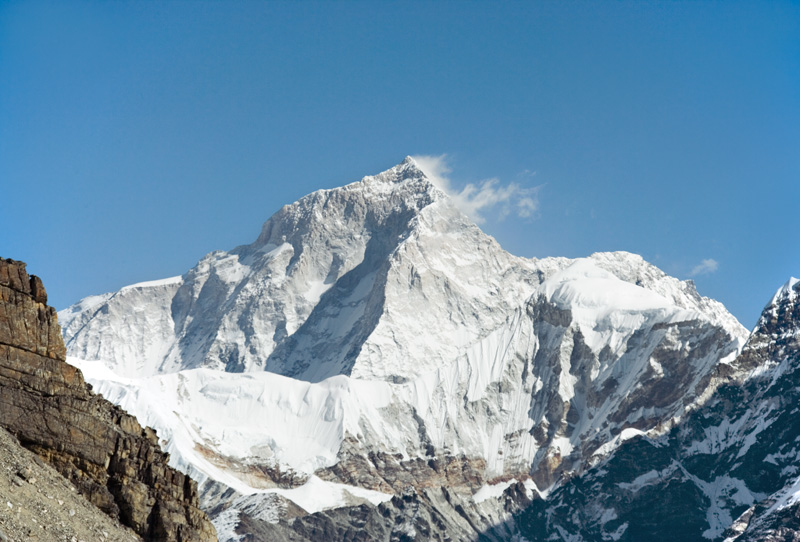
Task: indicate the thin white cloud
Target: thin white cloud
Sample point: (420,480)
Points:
(705,267)
(475,199)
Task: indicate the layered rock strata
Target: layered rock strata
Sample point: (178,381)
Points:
(114,462)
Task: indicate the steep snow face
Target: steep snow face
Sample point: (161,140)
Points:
(356,280)
(130,328)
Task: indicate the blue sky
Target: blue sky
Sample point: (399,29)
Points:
(137,136)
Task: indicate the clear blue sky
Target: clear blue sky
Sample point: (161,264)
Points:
(137,136)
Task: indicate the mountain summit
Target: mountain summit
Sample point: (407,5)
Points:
(356,280)
(373,348)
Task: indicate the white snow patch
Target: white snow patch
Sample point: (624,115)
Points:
(317,495)
(225,523)
(531,489)
(617,534)
(493,491)
(626,434)
(154,283)
(315,290)
(640,481)
(609,514)
(725,493)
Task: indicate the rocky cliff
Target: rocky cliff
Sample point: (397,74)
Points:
(114,462)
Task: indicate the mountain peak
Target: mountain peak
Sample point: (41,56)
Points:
(323,289)
(781,314)
(392,197)
(787,292)
(407,170)
(354,280)
(375,320)
(777,330)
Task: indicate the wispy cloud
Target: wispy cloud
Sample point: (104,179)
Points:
(475,199)
(705,267)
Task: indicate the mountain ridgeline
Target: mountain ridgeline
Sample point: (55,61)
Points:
(375,367)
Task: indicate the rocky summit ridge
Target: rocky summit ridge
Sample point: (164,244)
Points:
(373,365)
(115,463)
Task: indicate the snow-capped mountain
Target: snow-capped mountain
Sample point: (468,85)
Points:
(356,281)
(728,471)
(374,349)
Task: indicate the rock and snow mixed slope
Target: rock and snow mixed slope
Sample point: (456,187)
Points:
(374,342)
(728,471)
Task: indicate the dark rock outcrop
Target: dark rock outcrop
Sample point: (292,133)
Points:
(114,462)
(435,514)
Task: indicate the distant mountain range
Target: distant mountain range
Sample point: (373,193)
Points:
(375,367)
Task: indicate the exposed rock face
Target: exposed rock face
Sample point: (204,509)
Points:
(102,450)
(435,514)
(40,504)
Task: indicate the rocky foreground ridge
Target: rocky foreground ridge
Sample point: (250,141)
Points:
(111,460)
(40,504)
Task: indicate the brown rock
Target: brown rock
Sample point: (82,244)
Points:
(38,292)
(14,275)
(114,462)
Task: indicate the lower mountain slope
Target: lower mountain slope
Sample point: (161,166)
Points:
(728,471)
(110,459)
(40,504)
